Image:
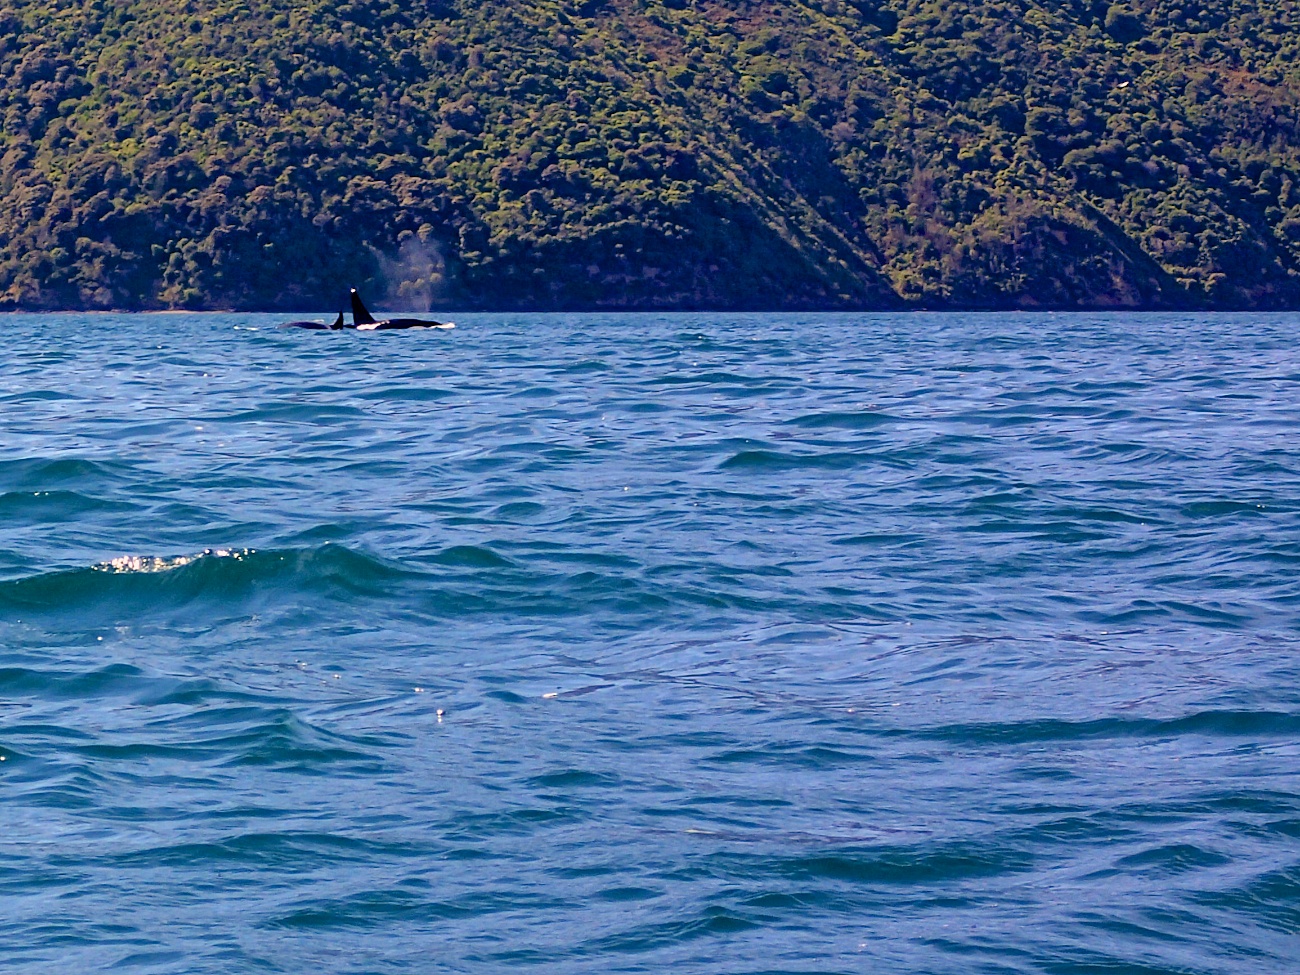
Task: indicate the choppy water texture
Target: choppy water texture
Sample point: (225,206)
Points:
(936,644)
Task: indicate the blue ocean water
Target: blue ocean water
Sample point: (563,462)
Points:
(691,643)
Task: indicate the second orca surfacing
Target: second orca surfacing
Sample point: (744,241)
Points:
(363,321)
(317,326)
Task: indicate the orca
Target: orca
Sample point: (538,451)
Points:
(363,321)
(316,325)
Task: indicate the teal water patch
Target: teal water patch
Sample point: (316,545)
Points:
(43,474)
(23,508)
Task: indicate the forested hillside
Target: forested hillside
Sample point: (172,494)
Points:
(650,153)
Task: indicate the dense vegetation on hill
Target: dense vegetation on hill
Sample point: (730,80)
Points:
(650,153)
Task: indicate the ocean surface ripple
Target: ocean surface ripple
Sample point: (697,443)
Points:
(691,643)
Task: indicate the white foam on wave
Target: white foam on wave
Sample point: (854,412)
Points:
(154,563)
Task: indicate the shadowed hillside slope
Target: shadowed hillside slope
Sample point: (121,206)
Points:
(650,154)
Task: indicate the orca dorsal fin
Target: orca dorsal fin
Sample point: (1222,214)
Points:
(338,322)
(359,314)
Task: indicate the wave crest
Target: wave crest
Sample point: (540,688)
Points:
(154,563)
(131,585)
